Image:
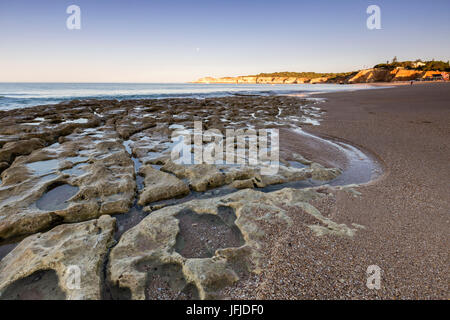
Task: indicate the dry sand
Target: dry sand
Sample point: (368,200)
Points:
(406,212)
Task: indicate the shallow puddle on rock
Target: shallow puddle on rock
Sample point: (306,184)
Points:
(139,182)
(5,249)
(86,152)
(41,285)
(310,121)
(79,121)
(77,159)
(176,126)
(126,144)
(48,177)
(75,171)
(56,197)
(297,165)
(202,234)
(54,146)
(137,164)
(43,167)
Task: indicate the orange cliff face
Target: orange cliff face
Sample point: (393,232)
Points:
(319,80)
(371,75)
(384,75)
(248,79)
(254,80)
(363,76)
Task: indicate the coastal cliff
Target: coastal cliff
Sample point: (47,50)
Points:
(384,75)
(363,76)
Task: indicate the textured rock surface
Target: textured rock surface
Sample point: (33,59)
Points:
(3,166)
(324,174)
(201,176)
(160,186)
(101,170)
(154,241)
(23,147)
(91,151)
(84,245)
(80,160)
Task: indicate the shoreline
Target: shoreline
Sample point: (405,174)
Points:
(9,104)
(357,240)
(16,99)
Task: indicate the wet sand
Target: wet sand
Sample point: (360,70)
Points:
(405,212)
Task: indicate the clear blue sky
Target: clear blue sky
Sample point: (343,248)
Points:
(175,41)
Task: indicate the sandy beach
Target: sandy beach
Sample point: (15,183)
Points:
(405,212)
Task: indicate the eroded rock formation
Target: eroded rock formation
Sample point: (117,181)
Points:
(66,168)
(158,248)
(46,265)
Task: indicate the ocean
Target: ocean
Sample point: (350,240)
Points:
(22,95)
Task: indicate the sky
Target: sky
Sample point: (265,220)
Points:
(179,41)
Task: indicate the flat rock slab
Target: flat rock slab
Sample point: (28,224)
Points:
(46,265)
(160,186)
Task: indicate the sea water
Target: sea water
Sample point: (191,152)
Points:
(22,95)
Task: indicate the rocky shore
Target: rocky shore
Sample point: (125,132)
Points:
(95,181)
(92,185)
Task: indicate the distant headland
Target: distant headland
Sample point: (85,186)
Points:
(384,72)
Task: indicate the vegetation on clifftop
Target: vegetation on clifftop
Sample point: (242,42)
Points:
(383,72)
(416,65)
(308,75)
(410,65)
